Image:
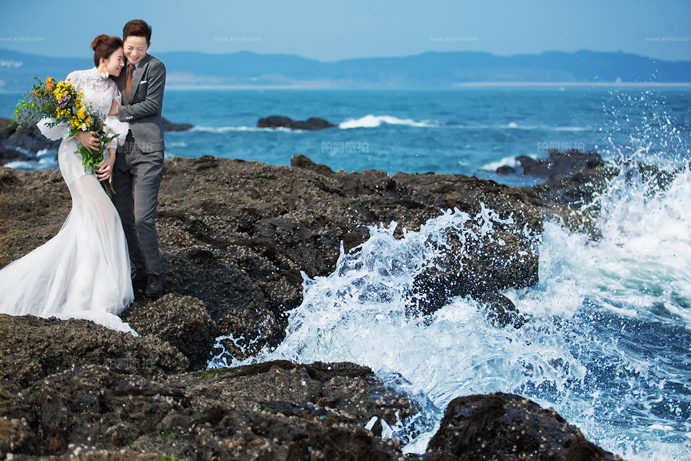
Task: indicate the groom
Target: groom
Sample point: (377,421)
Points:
(139,162)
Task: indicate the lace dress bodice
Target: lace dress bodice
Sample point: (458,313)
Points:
(99,91)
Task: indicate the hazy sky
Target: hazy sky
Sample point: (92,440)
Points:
(330,30)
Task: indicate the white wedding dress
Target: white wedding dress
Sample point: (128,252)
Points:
(84,271)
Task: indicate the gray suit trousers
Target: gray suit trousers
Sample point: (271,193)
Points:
(137,179)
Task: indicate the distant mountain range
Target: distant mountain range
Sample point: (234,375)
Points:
(427,70)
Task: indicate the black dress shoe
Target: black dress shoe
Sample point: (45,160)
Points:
(154,287)
(139,280)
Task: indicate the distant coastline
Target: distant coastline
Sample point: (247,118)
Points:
(457,86)
(247,70)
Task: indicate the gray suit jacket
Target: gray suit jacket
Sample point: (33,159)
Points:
(143,108)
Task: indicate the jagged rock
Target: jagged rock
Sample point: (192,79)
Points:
(572,178)
(510,427)
(279,121)
(235,237)
(302,161)
(182,321)
(560,164)
(30,352)
(260,410)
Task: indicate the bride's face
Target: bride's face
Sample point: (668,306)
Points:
(115,62)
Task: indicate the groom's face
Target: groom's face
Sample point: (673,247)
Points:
(135,48)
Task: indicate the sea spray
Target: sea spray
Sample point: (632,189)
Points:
(607,344)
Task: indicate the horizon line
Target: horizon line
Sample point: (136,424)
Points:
(374,57)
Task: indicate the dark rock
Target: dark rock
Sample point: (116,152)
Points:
(560,164)
(479,268)
(233,263)
(338,443)
(11,155)
(182,321)
(7,128)
(506,170)
(507,426)
(302,161)
(168,126)
(242,254)
(501,311)
(17,437)
(30,352)
(573,178)
(262,411)
(278,121)
(8,177)
(29,139)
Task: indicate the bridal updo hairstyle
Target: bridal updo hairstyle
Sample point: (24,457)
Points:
(105,45)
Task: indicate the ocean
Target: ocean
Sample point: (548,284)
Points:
(608,345)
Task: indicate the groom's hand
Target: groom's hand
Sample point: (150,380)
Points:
(88,140)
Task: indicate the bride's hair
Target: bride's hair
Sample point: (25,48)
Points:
(104,46)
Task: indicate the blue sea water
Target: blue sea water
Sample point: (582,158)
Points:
(608,345)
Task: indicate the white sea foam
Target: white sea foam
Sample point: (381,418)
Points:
(506,161)
(372,121)
(517,126)
(599,314)
(226,129)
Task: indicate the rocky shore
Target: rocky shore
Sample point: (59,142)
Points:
(235,237)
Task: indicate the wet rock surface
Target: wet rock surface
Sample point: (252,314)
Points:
(235,237)
(265,410)
(572,177)
(510,427)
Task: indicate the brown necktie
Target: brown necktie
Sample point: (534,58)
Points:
(130,73)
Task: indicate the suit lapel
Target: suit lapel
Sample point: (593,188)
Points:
(139,72)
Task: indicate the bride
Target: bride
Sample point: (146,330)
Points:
(84,271)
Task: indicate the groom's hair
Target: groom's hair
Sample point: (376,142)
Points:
(138,28)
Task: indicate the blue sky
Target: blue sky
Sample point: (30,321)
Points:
(330,30)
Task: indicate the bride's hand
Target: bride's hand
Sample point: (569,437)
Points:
(87,139)
(105,170)
(114,108)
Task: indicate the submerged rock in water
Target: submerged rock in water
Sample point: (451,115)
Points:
(169,126)
(279,121)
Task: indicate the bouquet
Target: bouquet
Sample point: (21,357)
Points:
(60,102)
